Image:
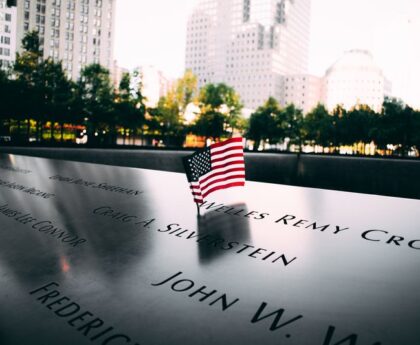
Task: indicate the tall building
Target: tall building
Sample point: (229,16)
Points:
(117,73)
(355,79)
(77,32)
(7,33)
(153,82)
(248,44)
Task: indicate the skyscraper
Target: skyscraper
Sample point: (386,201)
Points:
(7,33)
(250,45)
(77,32)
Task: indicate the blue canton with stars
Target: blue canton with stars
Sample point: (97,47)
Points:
(197,165)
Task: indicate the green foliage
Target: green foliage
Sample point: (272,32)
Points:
(358,123)
(7,106)
(319,126)
(26,65)
(273,124)
(167,119)
(291,126)
(263,123)
(398,125)
(186,90)
(96,95)
(26,83)
(56,91)
(4,93)
(30,43)
(220,111)
(210,124)
(129,107)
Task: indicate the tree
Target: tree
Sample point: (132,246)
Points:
(26,74)
(262,123)
(6,93)
(319,126)
(290,125)
(397,125)
(57,93)
(338,129)
(185,90)
(31,44)
(129,107)
(409,130)
(416,130)
(96,93)
(356,126)
(168,120)
(220,111)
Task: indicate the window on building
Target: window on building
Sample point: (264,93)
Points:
(5,40)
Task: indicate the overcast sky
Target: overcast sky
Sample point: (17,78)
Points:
(153,32)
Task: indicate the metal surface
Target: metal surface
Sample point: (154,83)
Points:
(381,176)
(128,261)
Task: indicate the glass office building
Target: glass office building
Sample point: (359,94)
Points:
(250,45)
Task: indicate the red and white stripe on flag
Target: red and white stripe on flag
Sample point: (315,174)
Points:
(227,169)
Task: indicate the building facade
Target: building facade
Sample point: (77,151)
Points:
(77,32)
(355,79)
(117,73)
(153,83)
(302,90)
(7,33)
(249,45)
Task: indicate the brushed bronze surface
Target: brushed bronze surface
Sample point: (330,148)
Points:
(126,247)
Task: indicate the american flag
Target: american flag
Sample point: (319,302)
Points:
(219,166)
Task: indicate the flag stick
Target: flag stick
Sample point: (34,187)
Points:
(198,208)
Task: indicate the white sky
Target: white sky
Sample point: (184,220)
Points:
(153,32)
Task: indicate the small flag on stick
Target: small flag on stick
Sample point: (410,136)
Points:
(219,166)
